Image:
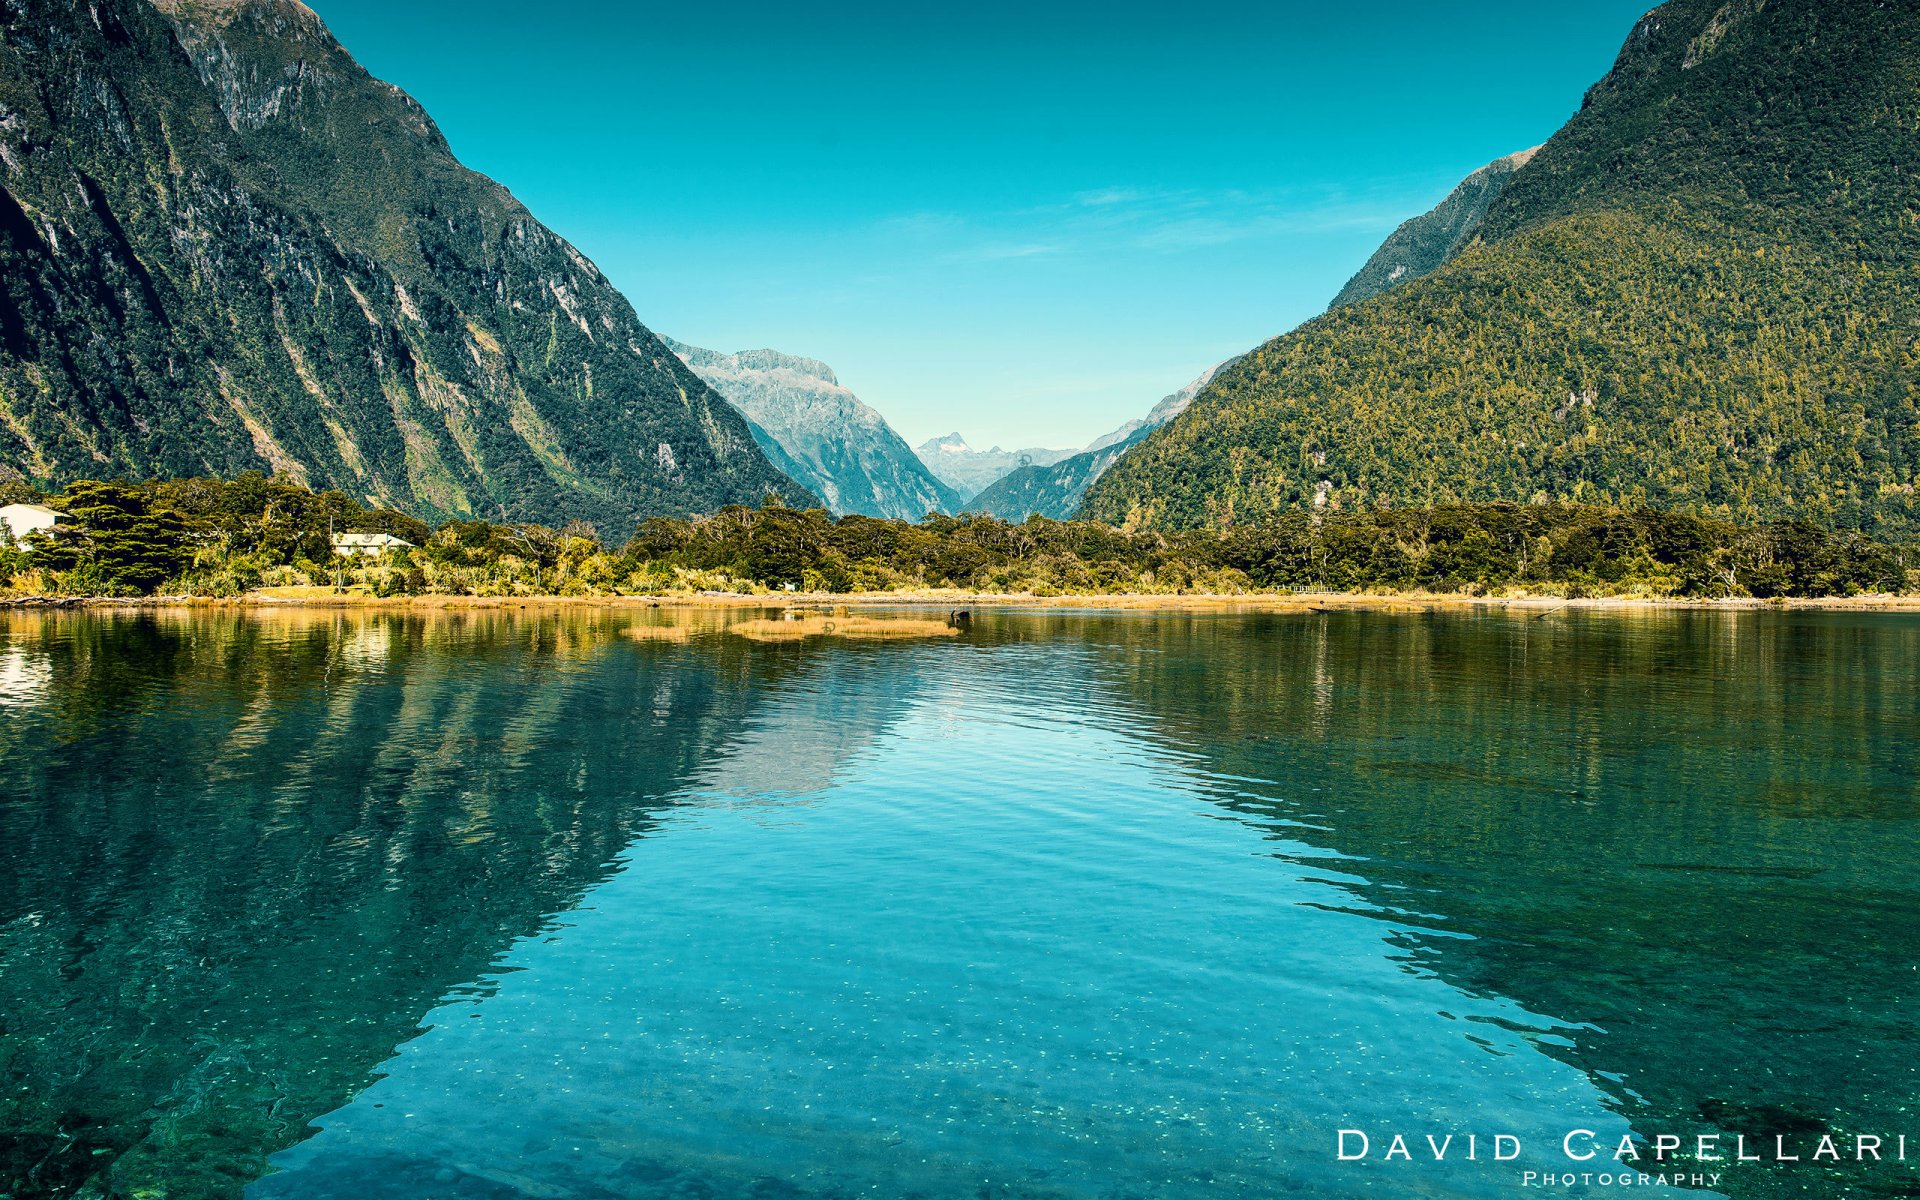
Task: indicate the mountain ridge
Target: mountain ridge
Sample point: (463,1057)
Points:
(969,472)
(1700,294)
(1055,490)
(821,434)
(1416,248)
(1420,246)
(224,246)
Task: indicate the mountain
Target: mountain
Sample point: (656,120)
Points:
(821,434)
(1166,410)
(1415,249)
(1419,247)
(1051,491)
(1056,490)
(1702,293)
(225,246)
(967,470)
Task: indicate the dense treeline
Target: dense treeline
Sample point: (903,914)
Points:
(227,537)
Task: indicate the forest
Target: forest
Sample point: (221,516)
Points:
(1701,294)
(223,538)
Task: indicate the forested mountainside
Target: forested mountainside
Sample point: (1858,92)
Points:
(1420,246)
(967,471)
(1703,293)
(1056,490)
(225,246)
(821,434)
(1416,249)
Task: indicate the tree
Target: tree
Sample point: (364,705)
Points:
(117,542)
(14,491)
(14,558)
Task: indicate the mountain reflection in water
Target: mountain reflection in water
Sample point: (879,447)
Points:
(1068,905)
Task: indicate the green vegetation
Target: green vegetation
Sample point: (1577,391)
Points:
(205,268)
(122,542)
(1425,243)
(210,537)
(1703,294)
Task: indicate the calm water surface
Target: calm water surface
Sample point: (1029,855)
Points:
(1106,906)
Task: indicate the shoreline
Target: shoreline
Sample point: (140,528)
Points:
(1290,602)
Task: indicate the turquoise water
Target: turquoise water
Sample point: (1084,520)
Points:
(1073,905)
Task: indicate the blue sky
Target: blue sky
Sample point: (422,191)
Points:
(1023,221)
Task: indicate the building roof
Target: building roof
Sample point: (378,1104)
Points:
(368,539)
(42,509)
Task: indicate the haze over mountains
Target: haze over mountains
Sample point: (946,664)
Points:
(967,470)
(822,436)
(224,246)
(1700,294)
(1417,248)
(820,433)
(1055,489)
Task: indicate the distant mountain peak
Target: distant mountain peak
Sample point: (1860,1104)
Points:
(820,433)
(1056,489)
(774,360)
(970,472)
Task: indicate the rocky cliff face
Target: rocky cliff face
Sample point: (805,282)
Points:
(224,246)
(821,434)
(1422,245)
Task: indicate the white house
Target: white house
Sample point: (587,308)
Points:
(367,545)
(23,519)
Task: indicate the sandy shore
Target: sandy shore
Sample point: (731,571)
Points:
(281,598)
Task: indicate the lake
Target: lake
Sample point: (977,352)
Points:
(520,903)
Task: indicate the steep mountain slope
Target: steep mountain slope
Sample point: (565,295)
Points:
(1704,292)
(1052,491)
(967,471)
(1416,249)
(1057,489)
(1421,245)
(821,434)
(223,245)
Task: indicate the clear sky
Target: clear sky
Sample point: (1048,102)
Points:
(1022,221)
